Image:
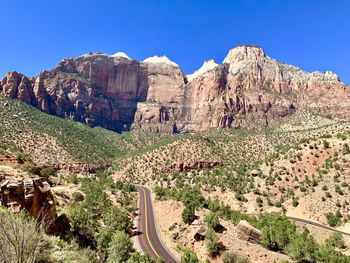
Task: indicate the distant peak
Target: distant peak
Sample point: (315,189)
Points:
(207,65)
(121,54)
(247,52)
(162,59)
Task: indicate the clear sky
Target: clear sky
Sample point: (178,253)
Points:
(310,34)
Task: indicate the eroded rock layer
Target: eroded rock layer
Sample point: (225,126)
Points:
(248,90)
(35,196)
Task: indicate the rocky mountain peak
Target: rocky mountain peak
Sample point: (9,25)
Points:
(247,52)
(207,66)
(161,59)
(121,55)
(249,89)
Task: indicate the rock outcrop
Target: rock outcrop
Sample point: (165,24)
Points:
(248,90)
(8,158)
(247,232)
(35,196)
(78,168)
(181,167)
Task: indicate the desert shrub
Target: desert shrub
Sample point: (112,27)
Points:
(31,167)
(116,219)
(230,257)
(73,178)
(120,248)
(277,231)
(77,196)
(142,258)
(20,239)
(47,172)
(259,201)
(333,219)
(326,144)
(188,214)
(62,252)
(78,216)
(188,256)
(302,247)
(295,201)
(335,240)
(212,220)
(212,242)
(330,255)
(160,192)
(346,149)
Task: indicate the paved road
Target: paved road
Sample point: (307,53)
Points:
(148,238)
(317,224)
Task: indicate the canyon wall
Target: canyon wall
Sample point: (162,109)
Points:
(248,90)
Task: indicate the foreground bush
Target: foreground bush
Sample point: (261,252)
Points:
(20,239)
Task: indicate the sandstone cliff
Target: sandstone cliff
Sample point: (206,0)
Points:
(248,90)
(35,196)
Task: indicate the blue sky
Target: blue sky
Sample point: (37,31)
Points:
(36,35)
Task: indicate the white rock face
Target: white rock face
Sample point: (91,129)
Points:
(162,59)
(251,53)
(207,66)
(252,61)
(121,54)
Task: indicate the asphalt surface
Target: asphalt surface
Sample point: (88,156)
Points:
(147,234)
(317,224)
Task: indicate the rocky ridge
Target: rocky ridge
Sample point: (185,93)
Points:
(248,90)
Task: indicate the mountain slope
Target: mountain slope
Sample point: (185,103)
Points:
(49,139)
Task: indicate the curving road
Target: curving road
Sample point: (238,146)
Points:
(305,221)
(148,238)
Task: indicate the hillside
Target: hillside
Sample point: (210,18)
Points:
(49,139)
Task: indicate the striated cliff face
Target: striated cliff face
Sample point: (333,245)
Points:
(248,90)
(97,89)
(35,196)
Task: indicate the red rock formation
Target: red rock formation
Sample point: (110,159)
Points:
(247,90)
(76,167)
(35,196)
(8,158)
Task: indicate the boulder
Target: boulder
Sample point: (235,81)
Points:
(247,232)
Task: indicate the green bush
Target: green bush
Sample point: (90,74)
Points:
(212,242)
(277,231)
(142,258)
(120,248)
(77,196)
(333,219)
(230,257)
(336,240)
(188,256)
(47,172)
(31,167)
(295,201)
(212,220)
(20,239)
(188,214)
(302,248)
